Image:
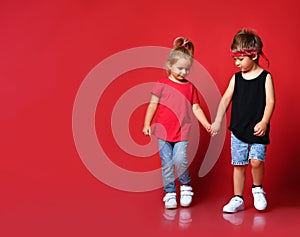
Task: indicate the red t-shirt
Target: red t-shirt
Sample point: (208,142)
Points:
(174,113)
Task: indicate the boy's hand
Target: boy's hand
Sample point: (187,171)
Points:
(215,128)
(260,129)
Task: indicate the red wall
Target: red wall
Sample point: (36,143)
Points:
(49,47)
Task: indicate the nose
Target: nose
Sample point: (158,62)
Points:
(237,63)
(184,71)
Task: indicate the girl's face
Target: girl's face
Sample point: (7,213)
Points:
(180,69)
(245,63)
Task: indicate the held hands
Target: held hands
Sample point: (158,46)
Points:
(213,129)
(260,129)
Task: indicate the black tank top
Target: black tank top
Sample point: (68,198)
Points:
(248,105)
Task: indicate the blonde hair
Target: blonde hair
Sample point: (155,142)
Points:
(182,48)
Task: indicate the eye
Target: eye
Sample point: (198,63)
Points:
(238,59)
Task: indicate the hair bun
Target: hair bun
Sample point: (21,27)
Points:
(180,41)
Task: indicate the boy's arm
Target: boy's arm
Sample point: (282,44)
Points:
(199,114)
(152,107)
(261,127)
(223,106)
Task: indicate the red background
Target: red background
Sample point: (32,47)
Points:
(48,47)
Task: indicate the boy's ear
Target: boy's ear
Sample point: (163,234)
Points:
(254,57)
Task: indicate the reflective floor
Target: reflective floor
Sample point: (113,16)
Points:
(93,209)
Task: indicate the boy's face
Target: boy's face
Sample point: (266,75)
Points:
(245,63)
(180,69)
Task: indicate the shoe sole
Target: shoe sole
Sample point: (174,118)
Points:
(171,207)
(185,205)
(237,210)
(260,209)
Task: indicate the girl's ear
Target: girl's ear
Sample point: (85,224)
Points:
(168,66)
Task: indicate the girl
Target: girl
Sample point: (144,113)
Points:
(173,97)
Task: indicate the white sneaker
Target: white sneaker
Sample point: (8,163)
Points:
(170,200)
(235,204)
(260,202)
(186,195)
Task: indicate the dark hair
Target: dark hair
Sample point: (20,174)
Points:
(246,39)
(247,42)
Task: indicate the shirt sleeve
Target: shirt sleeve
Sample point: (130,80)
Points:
(157,89)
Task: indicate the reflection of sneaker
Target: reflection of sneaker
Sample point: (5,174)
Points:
(235,204)
(185,217)
(234,218)
(259,222)
(170,200)
(170,214)
(186,195)
(260,202)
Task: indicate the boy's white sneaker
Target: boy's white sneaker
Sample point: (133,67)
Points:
(235,204)
(260,202)
(186,195)
(170,200)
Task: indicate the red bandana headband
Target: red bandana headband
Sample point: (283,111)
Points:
(243,52)
(249,52)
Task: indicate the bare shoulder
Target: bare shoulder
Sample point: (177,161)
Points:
(232,82)
(269,76)
(269,79)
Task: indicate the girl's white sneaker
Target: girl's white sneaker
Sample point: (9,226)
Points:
(170,200)
(186,195)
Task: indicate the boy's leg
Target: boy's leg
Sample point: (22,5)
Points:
(239,154)
(257,157)
(258,170)
(239,178)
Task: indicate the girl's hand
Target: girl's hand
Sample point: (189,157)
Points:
(260,129)
(147,130)
(208,128)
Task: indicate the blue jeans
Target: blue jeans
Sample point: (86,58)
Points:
(173,155)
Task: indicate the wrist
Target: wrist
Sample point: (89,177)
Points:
(147,124)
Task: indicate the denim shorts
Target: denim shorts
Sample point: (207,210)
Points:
(242,152)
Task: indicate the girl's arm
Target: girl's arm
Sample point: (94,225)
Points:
(223,106)
(198,112)
(261,127)
(152,107)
